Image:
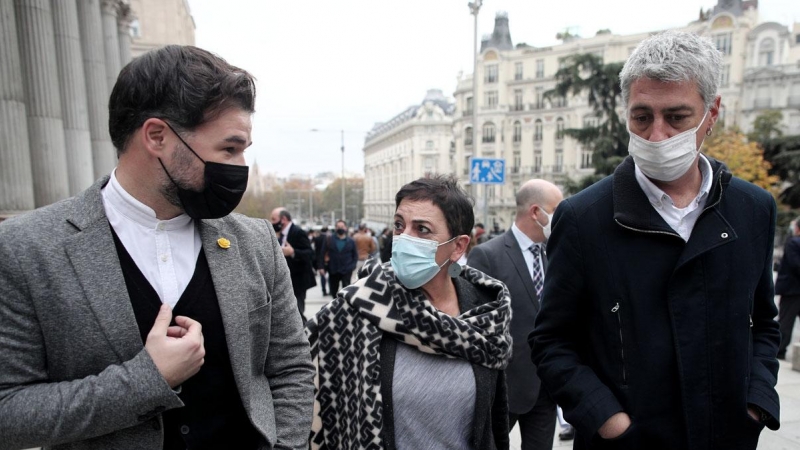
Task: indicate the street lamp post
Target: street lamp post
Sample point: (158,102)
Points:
(474,8)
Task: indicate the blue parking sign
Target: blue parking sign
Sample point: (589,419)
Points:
(487,170)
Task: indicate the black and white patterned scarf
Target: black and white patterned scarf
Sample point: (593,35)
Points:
(345,339)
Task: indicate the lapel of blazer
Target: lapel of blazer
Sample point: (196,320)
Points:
(521,266)
(96,263)
(226,269)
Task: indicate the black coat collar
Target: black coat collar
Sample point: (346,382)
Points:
(632,208)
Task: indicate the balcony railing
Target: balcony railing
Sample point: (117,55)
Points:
(536,106)
(793,101)
(518,107)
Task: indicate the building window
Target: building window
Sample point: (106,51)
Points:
(429,145)
(517,132)
(559,129)
(559,102)
(537,161)
(766,52)
(517,163)
(539,68)
(591,121)
(518,71)
(490,75)
(466,165)
(136,29)
(468,136)
(488,132)
(723,43)
(518,105)
(539,98)
(429,164)
(794,95)
(763,97)
(468,108)
(559,167)
(537,130)
(586,159)
(725,76)
(490,98)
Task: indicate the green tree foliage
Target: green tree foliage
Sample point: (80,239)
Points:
(784,155)
(585,74)
(744,158)
(354,199)
(766,126)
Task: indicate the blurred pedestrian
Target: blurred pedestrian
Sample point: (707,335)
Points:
(787,286)
(340,256)
(321,267)
(299,255)
(657,325)
(422,365)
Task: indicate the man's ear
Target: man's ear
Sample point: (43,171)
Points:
(153,135)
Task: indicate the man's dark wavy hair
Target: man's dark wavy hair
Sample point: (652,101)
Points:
(183,85)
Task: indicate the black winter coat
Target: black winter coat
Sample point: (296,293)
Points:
(679,335)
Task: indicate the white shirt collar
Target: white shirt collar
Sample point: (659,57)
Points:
(134,210)
(522,239)
(657,197)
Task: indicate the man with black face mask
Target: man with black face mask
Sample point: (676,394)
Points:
(141,313)
(341,256)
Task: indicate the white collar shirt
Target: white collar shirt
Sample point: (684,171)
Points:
(165,251)
(682,220)
(525,245)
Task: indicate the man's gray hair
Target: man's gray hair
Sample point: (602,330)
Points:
(674,56)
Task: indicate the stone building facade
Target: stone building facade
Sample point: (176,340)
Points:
(417,141)
(517,123)
(59,61)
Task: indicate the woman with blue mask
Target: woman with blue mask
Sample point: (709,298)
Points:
(412,355)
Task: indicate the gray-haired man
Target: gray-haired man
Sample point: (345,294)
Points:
(657,327)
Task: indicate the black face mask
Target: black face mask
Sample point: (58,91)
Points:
(277,226)
(341,232)
(223,188)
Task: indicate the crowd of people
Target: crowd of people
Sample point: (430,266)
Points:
(142,314)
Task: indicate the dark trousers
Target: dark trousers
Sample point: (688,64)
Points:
(788,311)
(336,279)
(300,294)
(323,283)
(537,426)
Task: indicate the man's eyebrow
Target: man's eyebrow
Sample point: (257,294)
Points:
(236,140)
(678,108)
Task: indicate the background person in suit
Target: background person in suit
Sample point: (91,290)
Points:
(319,250)
(91,356)
(517,259)
(298,252)
(787,286)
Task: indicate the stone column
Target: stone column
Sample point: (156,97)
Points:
(16,179)
(74,109)
(94,66)
(124,21)
(37,48)
(111,41)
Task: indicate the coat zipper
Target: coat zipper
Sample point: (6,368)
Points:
(615,310)
(719,199)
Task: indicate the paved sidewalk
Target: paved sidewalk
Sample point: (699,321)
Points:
(787,438)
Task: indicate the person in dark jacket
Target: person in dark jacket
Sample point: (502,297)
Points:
(299,255)
(319,264)
(386,245)
(788,287)
(657,326)
(516,258)
(340,257)
(412,355)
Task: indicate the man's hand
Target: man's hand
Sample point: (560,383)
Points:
(615,426)
(288,250)
(754,414)
(178,350)
(322,272)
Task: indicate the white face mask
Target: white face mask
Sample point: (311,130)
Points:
(665,160)
(546,228)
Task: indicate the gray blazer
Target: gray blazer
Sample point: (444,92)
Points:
(73,370)
(502,258)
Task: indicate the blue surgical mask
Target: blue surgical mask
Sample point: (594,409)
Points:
(414,260)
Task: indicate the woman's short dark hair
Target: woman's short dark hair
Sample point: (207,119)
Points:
(183,85)
(444,192)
